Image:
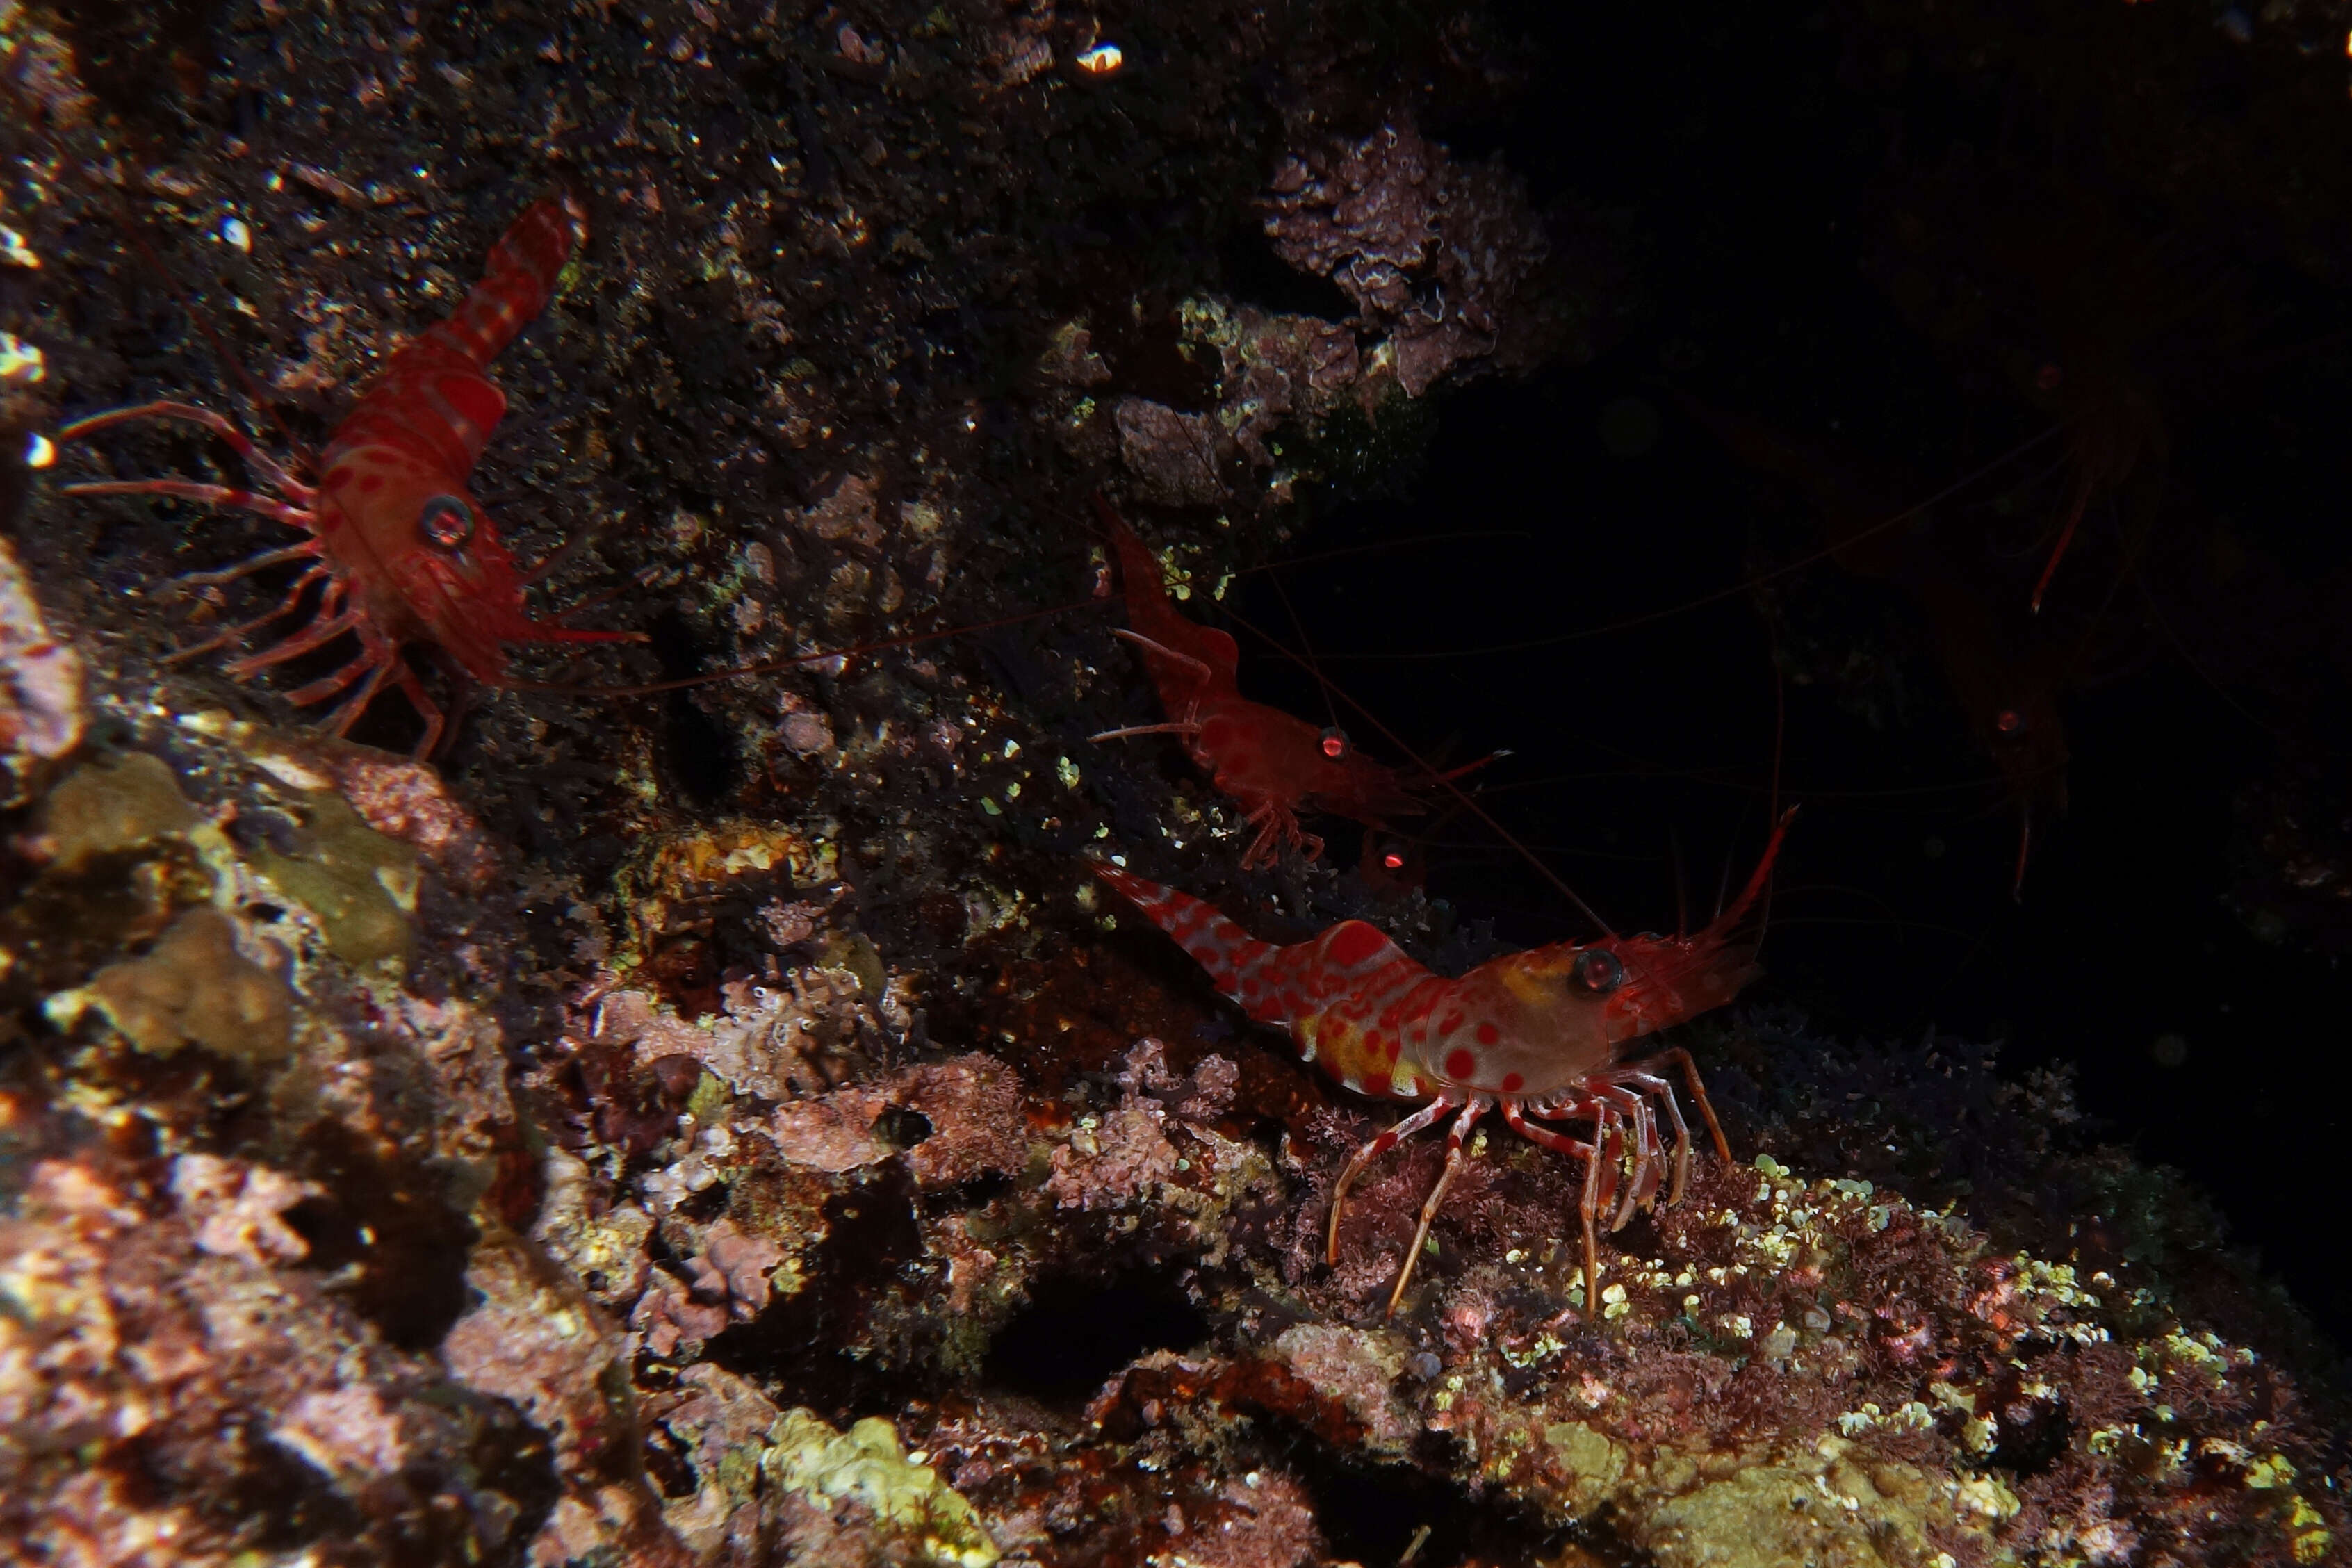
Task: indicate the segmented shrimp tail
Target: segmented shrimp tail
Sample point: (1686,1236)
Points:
(1180,654)
(517,281)
(1238,963)
(1342,995)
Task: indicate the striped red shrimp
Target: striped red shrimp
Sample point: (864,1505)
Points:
(1538,1036)
(399,550)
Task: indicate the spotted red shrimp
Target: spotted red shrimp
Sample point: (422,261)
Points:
(1272,763)
(399,550)
(1540,1033)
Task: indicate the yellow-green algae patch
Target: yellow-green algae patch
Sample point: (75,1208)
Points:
(361,885)
(866,1465)
(109,804)
(193,988)
(1825,1510)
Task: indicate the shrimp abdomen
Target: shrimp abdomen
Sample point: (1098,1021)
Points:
(1349,997)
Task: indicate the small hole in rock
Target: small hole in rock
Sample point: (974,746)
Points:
(1075,1333)
(902,1128)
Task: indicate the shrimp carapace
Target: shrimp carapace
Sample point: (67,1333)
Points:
(1271,763)
(1540,1035)
(399,552)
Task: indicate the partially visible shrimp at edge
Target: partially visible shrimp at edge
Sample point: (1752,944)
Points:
(398,549)
(1273,763)
(1537,1034)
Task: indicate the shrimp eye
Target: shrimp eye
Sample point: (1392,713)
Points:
(1393,860)
(448,521)
(1597,972)
(2008,722)
(2050,377)
(1335,743)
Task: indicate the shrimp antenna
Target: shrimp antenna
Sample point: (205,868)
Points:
(1307,645)
(1744,585)
(795,662)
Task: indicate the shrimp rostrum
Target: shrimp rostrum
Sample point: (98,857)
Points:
(1540,1036)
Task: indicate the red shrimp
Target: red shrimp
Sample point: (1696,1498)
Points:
(1540,1033)
(405,554)
(1270,761)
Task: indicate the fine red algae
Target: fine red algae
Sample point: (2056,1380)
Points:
(731,1125)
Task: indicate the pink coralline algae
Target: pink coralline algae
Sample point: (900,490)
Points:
(40,682)
(162,1351)
(1435,254)
(728,1282)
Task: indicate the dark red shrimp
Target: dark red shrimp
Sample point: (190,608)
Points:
(1273,763)
(405,554)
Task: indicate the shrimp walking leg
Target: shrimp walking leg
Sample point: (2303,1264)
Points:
(238,441)
(1562,1143)
(1678,1057)
(284,607)
(1366,1156)
(1456,1136)
(1650,1084)
(317,635)
(305,550)
(201,495)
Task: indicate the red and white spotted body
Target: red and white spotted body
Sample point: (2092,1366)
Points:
(1540,1033)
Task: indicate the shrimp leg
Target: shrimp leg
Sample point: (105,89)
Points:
(203,495)
(307,550)
(1681,1057)
(260,461)
(321,631)
(1562,1143)
(1366,1156)
(284,607)
(1455,1136)
(1650,1083)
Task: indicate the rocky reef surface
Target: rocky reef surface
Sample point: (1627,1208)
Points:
(726,1125)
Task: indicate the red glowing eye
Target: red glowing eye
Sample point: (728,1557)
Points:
(2010,721)
(1335,745)
(1393,860)
(2049,377)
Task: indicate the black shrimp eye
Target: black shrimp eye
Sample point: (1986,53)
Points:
(1335,743)
(448,521)
(1597,972)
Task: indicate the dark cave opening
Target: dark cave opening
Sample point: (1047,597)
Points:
(1075,1333)
(1396,1513)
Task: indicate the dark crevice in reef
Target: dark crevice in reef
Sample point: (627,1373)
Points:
(1256,275)
(1373,1513)
(697,751)
(396,1226)
(854,1297)
(1075,1333)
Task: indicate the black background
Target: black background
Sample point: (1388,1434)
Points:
(1750,148)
